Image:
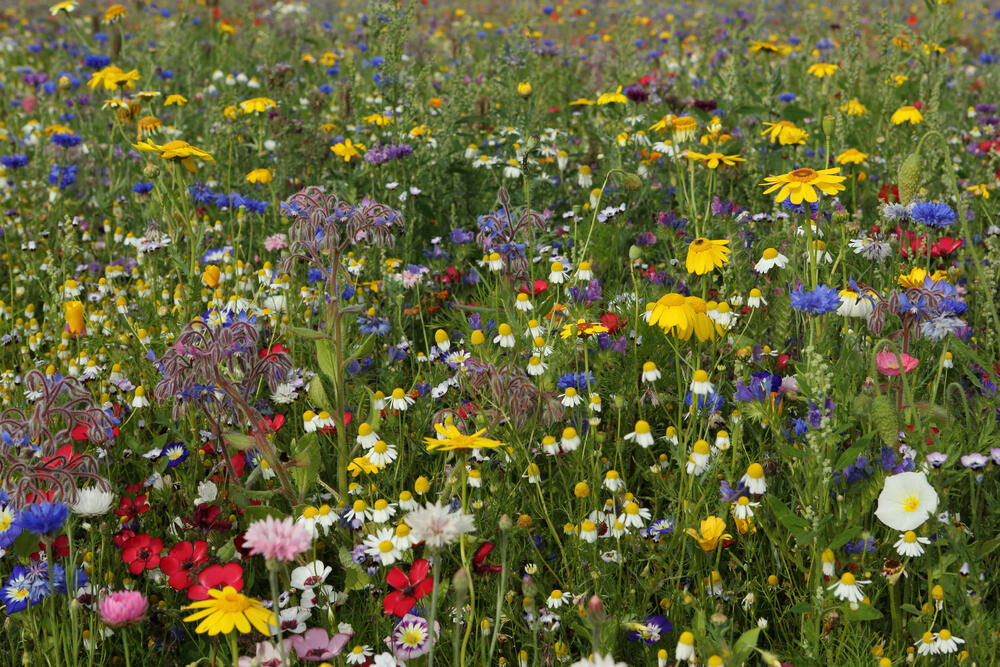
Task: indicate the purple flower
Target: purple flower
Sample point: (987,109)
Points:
(974,461)
(936,459)
(651,631)
(411,637)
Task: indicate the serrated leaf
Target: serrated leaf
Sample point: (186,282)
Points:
(307,334)
(864,612)
(793,523)
(317,394)
(327,360)
(237,440)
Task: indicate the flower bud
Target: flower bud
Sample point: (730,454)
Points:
(632,182)
(634,252)
(524,88)
(505,522)
(829,123)
(595,610)
(909,178)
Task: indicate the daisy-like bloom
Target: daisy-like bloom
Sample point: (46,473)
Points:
(848,588)
(906,501)
(139,400)
(854,305)
(755,299)
(113,78)
(505,336)
(262,176)
(907,114)
(754,479)
(613,98)
(699,457)
(557,275)
(928,644)
(713,160)
(381,454)
(588,531)
(347,150)
(582,328)
(114,13)
(90,502)
(550,446)
(310,575)
(534,329)
(700,384)
(536,366)
(684,128)
(820,70)
(359,654)
(359,512)
(570,440)
(584,271)
(910,545)
(123,609)
(785,133)
(947,642)
(382,510)
(449,438)
(721,441)
(571,398)
(641,434)
(598,660)
(383,546)
(854,108)
(177,151)
(634,516)
(366,436)
(801,185)
(277,539)
(436,527)
(257,105)
(709,533)
(851,156)
(523,304)
(650,373)
(411,637)
(399,400)
(704,255)
(175,100)
(227,610)
(557,599)
(685,647)
(63,7)
(769,259)
(777,50)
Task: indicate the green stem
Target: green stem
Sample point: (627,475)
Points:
(436,580)
(272,572)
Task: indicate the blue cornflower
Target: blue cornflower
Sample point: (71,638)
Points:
(820,301)
(862,545)
(66,139)
(16,593)
(932,214)
(44,518)
(579,381)
(62,175)
(96,61)
(14,161)
(379,326)
(142,187)
(787,97)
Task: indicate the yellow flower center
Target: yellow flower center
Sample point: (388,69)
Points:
(380,447)
(909,537)
(385,546)
(803,175)
(911,503)
(770,253)
(847,579)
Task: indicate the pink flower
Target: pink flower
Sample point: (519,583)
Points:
(278,539)
(123,609)
(316,646)
(265,656)
(888,363)
(276,242)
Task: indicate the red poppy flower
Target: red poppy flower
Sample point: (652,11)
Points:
(142,552)
(277,348)
(270,425)
(130,507)
(944,246)
(206,519)
(60,548)
(888,193)
(910,243)
(181,560)
(218,577)
(122,537)
(613,323)
(409,589)
(479,565)
(783,360)
(537,287)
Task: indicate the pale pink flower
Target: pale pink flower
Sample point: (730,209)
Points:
(265,656)
(280,539)
(276,242)
(123,609)
(888,363)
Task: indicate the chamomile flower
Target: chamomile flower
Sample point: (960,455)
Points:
(699,458)
(700,384)
(910,545)
(634,516)
(928,644)
(366,436)
(571,398)
(382,510)
(536,366)
(947,642)
(399,400)
(570,439)
(769,259)
(381,454)
(583,272)
(641,434)
(550,446)
(613,481)
(523,303)
(754,479)
(848,588)
(756,299)
(383,547)
(557,275)
(650,373)
(557,599)
(505,336)
(534,329)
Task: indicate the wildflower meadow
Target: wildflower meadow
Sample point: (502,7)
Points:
(418,333)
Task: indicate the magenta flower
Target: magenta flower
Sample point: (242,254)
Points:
(280,539)
(316,646)
(123,609)
(888,363)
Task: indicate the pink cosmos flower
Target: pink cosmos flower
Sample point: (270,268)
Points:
(888,363)
(123,609)
(276,242)
(280,539)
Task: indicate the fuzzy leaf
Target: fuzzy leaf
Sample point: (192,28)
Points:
(325,357)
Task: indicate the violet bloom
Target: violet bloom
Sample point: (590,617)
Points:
(974,461)
(411,638)
(123,609)
(936,459)
(316,646)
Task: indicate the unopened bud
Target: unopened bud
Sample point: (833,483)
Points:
(595,610)
(633,182)
(829,123)
(634,252)
(460,582)
(909,178)
(505,522)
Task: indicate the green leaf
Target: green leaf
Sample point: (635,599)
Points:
(240,441)
(864,612)
(308,334)
(850,455)
(25,544)
(842,537)
(226,551)
(793,523)
(795,113)
(801,608)
(326,358)
(361,349)
(746,643)
(910,609)
(355,578)
(306,462)
(748,109)
(317,394)
(989,546)
(259,512)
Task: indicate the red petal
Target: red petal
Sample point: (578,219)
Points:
(396,578)
(419,570)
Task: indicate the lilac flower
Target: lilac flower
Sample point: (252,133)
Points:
(974,461)
(936,459)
